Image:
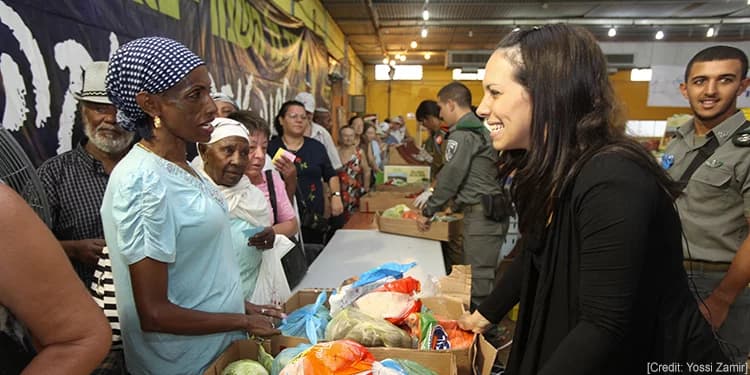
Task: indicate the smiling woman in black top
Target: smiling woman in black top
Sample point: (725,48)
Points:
(600,279)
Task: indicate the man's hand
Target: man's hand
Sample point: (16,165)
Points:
(86,251)
(423,223)
(422,199)
(715,310)
(337,207)
(263,240)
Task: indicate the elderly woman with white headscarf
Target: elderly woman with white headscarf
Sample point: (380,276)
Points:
(223,160)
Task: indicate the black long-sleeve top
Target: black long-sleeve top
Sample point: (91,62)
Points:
(607,292)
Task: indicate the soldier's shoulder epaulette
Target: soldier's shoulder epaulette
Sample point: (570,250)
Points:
(741,137)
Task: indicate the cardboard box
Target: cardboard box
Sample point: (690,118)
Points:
(442,363)
(411,174)
(244,349)
(454,293)
(457,285)
(439,230)
(406,189)
(375,201)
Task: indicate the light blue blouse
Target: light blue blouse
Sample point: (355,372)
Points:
(248,257)
(153,208)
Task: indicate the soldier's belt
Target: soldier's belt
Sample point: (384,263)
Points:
(699,265)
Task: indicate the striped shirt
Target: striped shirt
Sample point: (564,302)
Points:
(75,182)
(103,291)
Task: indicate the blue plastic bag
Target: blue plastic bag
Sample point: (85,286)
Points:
(285,356)
(387,269)
(309,321)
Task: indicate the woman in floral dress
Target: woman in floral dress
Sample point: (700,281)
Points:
(355,174)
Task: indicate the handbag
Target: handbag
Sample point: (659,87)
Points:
(295,261)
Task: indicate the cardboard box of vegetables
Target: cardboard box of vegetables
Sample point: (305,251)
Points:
(383,310)
(401,219)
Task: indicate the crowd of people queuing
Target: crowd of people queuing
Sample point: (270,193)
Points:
(170,244)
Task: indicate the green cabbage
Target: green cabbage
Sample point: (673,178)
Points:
(396,211)
(244,367)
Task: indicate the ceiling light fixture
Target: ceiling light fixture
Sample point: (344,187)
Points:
(402,57)
(516,28)
(427,56)
(426,15)
(398,56)
(659,35)
(424,32)
(413,44)
(385,60)
(710,32)
(392,63)
(612,32)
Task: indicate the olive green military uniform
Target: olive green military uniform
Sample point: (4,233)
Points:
(434,146)
(714,210)
(470,171)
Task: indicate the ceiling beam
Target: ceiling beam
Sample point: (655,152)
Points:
(374,19)
(574,21)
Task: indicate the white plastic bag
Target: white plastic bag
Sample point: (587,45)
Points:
(271,288)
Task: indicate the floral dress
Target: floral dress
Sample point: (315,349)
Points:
(351,178)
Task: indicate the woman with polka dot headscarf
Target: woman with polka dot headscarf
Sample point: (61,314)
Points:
(167,228)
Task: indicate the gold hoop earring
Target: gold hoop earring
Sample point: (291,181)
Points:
(157,122)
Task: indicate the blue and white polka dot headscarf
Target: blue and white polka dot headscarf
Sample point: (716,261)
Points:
(151,64)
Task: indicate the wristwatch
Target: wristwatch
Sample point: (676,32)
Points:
(336,193)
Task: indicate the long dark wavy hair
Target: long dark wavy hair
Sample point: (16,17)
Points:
(575,116)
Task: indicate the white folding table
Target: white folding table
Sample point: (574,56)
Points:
(352,252)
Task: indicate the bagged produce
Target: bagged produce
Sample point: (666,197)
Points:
(352,324)
(391,306)
(286,356)
(367,282)
(343,357)
(396,211)
(244,367)
(434,334)
(408,285)
(382,271)
(265,359)
(309,321)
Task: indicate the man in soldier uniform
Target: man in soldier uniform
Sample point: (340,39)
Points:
(428,113)
(470,171)
(710,156)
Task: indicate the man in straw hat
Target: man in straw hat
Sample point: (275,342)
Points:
(74,183)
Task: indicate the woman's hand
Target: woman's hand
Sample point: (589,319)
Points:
(337,207)
(263,240)
(286,168)
(259,325)
(473,322)
(270,311)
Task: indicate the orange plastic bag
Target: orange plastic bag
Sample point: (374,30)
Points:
(408,285)
(435,334)
(341,357)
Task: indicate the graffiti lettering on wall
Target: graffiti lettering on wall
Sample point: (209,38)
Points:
(254,52)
